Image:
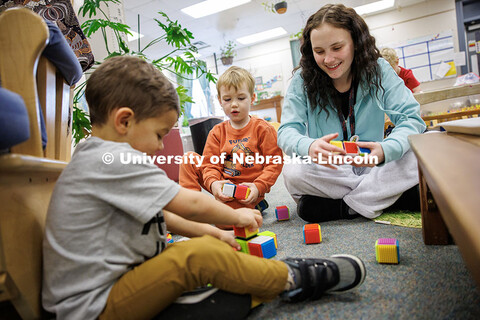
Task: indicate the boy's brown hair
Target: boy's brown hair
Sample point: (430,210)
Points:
(129,81)
(235,77)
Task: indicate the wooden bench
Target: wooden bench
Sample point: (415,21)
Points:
(29,173)
(449,172)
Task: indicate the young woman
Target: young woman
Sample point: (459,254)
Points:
(343,88)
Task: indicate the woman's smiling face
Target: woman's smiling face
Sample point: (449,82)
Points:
(333,50)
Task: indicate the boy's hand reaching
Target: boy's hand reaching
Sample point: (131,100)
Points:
(253,196)
(250,218)
(216,188)
(228,236)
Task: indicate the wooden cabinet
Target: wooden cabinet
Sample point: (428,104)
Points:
(275,102)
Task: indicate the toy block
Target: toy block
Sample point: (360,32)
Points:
(229,189)
(270,234)
(244,244)
(282,213)
(262,205)
(242,192)
(364,150)
(169,238)
(244,233)
(338,144)
(312,233)
(350,147)
(262,246)
(387,251)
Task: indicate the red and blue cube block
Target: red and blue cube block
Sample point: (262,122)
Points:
(387,250)
(270,234)
(244,232)
(312,233)
(169,238)
(282,213)
(262,246)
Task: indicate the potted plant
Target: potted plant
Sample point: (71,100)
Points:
(279,7)
(180,60)
(228,52)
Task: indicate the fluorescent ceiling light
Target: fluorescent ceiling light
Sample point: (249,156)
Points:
(257,37)
(209,7)
(134,36)
(374,6)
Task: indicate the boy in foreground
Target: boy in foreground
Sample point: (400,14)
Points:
(105,253)
(240,136)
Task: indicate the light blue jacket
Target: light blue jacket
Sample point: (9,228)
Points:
(301,126)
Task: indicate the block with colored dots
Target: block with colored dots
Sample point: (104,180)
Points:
(228,189)
(363,151)
(241,192)
(262,246)
(338,144)
(387,250)
(350,147)
(282,213)
(244,232)
(270,234)
(312,233)
(169,238)
(244,244)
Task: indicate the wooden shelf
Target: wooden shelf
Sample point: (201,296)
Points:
(449,93)
(275,102)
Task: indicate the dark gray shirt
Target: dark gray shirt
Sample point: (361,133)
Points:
(103,220)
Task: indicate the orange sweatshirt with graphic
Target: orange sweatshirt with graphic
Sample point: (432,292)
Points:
(259,138)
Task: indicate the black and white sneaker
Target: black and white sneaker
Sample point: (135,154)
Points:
(338,273)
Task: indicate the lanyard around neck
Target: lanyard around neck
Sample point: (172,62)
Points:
(351,115)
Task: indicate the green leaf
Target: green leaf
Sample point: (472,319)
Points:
(81,126)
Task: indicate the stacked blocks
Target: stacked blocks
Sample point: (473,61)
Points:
(282,213)
(240,192)
(387,251)
(244,232)
(350,147)
(270,234)
(312,233)
(262,246)
(243,244)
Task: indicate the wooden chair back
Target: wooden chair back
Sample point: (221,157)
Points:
(29,173)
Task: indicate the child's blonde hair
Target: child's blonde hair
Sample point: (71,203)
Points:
(390,55)
(235,77)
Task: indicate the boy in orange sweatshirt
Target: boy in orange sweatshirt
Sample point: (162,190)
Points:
(231,142)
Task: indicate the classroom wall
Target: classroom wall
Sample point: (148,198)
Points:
(401,24)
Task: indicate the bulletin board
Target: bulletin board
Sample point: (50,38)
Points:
(430,57)
(268,81)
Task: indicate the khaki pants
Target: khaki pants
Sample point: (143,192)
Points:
(183,266)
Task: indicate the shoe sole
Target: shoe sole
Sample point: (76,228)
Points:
(360,264)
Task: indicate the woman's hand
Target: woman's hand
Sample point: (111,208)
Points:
(321,148)
(375,150)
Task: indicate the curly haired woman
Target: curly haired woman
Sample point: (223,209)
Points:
(343,88)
